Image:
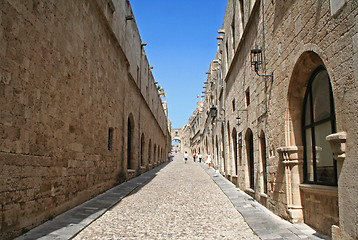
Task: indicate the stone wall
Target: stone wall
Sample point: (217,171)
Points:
(70,73)
(296,38)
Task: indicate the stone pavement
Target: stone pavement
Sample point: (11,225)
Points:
(173,201)
(181,202)
(262,221)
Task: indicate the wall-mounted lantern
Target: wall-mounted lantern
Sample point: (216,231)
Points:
(238,116)
(256,58)
(213,112)
(256,61)
(238,120)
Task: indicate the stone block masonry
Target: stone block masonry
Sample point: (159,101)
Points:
(265,134)
(73,77)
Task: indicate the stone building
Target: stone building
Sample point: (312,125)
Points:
(280,109)
(80,111)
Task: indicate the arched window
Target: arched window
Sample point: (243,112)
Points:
(318,122)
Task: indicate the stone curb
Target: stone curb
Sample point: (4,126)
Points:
(262,221)
(68,224)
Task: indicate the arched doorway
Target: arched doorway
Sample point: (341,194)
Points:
(250,158)
(234,143)
(155,154)
(229,168)
(142,146)
(263,160)
(130,132)
(223,147)
(150,151)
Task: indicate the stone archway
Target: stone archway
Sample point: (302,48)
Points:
(300,206)
(306,64)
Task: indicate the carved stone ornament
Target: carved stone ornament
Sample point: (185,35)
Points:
(338,145)
(290,154)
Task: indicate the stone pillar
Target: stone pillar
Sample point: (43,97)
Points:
(338,147)
(292,158)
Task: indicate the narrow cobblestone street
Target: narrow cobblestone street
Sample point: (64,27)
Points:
(181,202)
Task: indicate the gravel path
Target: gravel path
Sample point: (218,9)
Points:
(181,202)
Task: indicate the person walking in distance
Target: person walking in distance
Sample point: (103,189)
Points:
(186,156)
(208,160)
(199,157)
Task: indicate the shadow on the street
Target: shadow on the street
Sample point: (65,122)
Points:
(68,224)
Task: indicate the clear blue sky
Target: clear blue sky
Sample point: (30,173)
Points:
(181,38)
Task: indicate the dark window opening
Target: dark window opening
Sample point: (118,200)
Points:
(247,94)
(227,54)
(242,13)
(110,139)
(233,32)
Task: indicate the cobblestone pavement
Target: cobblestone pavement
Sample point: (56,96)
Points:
(181,202)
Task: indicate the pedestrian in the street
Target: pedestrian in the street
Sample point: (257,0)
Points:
(194,156)
(208,160)
(186,156)
(199,157)
(169,156)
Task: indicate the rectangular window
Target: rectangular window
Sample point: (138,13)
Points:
(247,94)
(227,54)
(110,139)
(233,105)
(138,78)
(242,13)
(233,33)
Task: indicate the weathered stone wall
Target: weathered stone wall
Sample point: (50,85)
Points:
(298,37)
(69,72)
